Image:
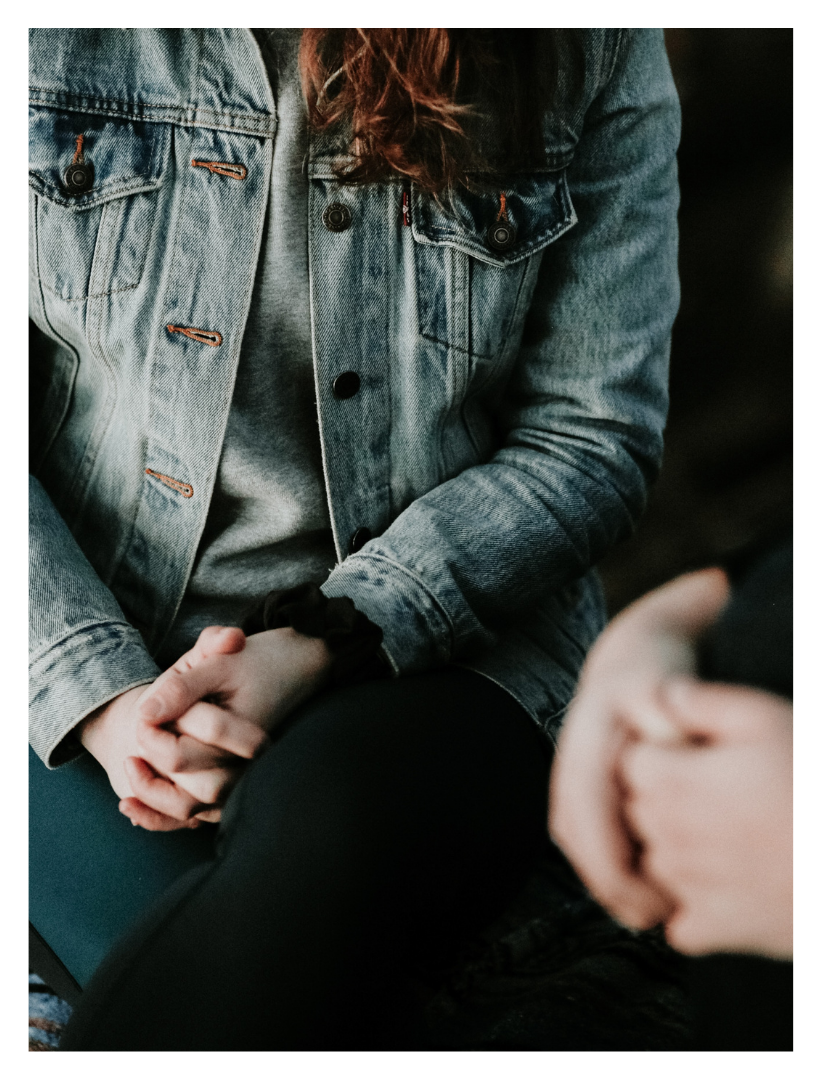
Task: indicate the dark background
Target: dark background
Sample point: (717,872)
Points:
(727,474)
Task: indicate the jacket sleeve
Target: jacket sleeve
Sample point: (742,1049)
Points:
(82,650)
(583,414)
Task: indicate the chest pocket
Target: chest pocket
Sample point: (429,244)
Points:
(95,179)
(474,257)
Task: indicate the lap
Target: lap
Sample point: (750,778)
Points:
(384,819)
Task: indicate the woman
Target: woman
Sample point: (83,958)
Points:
(459,261)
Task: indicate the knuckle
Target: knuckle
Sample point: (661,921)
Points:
(215,726)
(679,935)
(212,792)
(174,759)
(146,735)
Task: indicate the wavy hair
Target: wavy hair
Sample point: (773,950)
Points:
(433,105)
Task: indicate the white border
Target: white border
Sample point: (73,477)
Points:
(809,401)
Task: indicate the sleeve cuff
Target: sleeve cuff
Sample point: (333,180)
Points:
(417,633)
(77,675)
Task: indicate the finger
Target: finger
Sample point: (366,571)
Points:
(213,641)
(658,782)
(690,603)
(212,816)
(585,820)
(170,752)
(646,718)
(159,793)
(688,935)
(210,786)
(175,691)
(720,712)
(140,814)
(655,771)
(160,699)
(218,727)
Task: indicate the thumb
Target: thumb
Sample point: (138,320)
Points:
(690,603)
(720,712)
(176,691)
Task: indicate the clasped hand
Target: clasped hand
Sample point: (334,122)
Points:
(174,750)
(672,796)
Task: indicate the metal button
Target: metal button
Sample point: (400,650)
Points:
(79,178)
(337,217)
(361,537)
(346,385)
(501,236)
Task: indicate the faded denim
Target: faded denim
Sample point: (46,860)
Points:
(511,406)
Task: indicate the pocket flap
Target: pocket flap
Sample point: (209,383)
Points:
(126,156)
(536,207)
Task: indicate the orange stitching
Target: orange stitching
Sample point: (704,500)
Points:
(223,168)
(186,490)
(78,152)
(503,212)
(205,337)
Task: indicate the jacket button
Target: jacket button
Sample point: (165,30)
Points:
(346,385)
(337,217)
(361,537)
(79,178)
(501,236)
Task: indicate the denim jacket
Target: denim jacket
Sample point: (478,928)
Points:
(511,400)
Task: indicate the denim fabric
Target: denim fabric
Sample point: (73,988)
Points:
(511,404)
(268,525)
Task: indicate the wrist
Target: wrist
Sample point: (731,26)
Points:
(351,640)
(90,732)
(314,652)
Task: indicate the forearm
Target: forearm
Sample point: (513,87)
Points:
(83,652)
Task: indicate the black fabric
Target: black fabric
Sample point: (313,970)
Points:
(387,824)
(745,1002)
(741,1003)
(51,969)
(352,638)
(751,643)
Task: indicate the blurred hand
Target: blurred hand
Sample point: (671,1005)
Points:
(715,815)
(618,700)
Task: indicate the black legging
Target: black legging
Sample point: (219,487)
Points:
(386,824)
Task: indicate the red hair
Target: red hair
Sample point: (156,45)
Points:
(410,94)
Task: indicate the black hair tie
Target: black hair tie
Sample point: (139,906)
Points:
(352,638)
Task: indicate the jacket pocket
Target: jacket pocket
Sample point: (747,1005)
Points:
(473,254)
(106,220)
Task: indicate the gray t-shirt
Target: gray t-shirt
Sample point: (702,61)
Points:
(268,523)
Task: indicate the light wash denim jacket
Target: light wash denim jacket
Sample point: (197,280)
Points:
(511,403)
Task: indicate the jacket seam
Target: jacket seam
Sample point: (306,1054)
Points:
(621,37)
(90,296)
(109,188)
(95,315)
(55,336)
(166,112)
(121,628)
